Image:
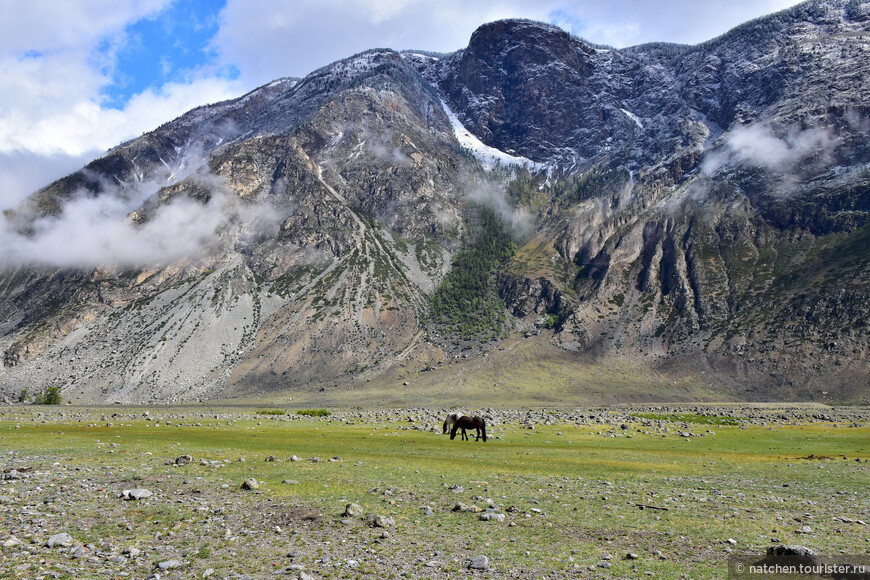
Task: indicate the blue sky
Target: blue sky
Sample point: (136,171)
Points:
(169,47)
(77,78)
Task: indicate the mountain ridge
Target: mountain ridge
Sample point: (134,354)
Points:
(698,215)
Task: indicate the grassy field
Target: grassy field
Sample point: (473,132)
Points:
(569,490)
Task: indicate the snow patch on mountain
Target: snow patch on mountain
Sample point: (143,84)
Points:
(633,117)
(489,157)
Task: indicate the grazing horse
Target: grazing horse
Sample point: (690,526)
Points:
(469,423)
(449,421)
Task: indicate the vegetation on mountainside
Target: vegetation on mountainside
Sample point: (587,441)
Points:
(50,396)
(466,305)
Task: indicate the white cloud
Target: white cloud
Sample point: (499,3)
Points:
(98,231)
(52,75)
(47,26)
(94,232)
(50,105)
(760,146)
(22,173)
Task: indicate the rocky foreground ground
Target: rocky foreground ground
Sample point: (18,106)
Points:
(104,509)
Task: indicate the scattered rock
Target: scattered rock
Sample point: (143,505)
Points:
(380,521)
(62,540)
(169,564)
(479,563)
(183,460)
(135,494)
(802,554)
(250,484)
(491,516)
(352,510)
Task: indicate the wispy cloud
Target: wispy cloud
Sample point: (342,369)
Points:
(759,146)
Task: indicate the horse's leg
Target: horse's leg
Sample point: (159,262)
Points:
(478,433)
(464,435)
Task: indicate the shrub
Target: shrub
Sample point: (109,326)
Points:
(271,412)
(314,412)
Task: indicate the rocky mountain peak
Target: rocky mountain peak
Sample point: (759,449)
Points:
(699,214)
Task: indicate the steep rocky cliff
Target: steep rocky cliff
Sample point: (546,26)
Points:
(698,213)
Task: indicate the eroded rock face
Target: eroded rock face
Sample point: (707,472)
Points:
(534,89)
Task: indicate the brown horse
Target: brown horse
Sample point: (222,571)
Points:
(469,423)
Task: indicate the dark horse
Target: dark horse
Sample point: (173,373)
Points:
(469,423)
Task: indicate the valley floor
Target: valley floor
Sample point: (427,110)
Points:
(620,491)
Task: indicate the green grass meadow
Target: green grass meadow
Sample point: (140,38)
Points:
(576,488)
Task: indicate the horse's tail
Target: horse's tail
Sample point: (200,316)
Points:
(483,429)
(444,427)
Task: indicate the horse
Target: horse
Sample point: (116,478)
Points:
(469,423)
(449,421)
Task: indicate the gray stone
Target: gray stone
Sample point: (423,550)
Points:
(250,484)
(353,510)
(491,517)
(169,564)
(802,554)
(479,563)
(183,459)
(63,540)
(380,521)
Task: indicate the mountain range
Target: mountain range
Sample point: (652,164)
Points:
(532,219)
